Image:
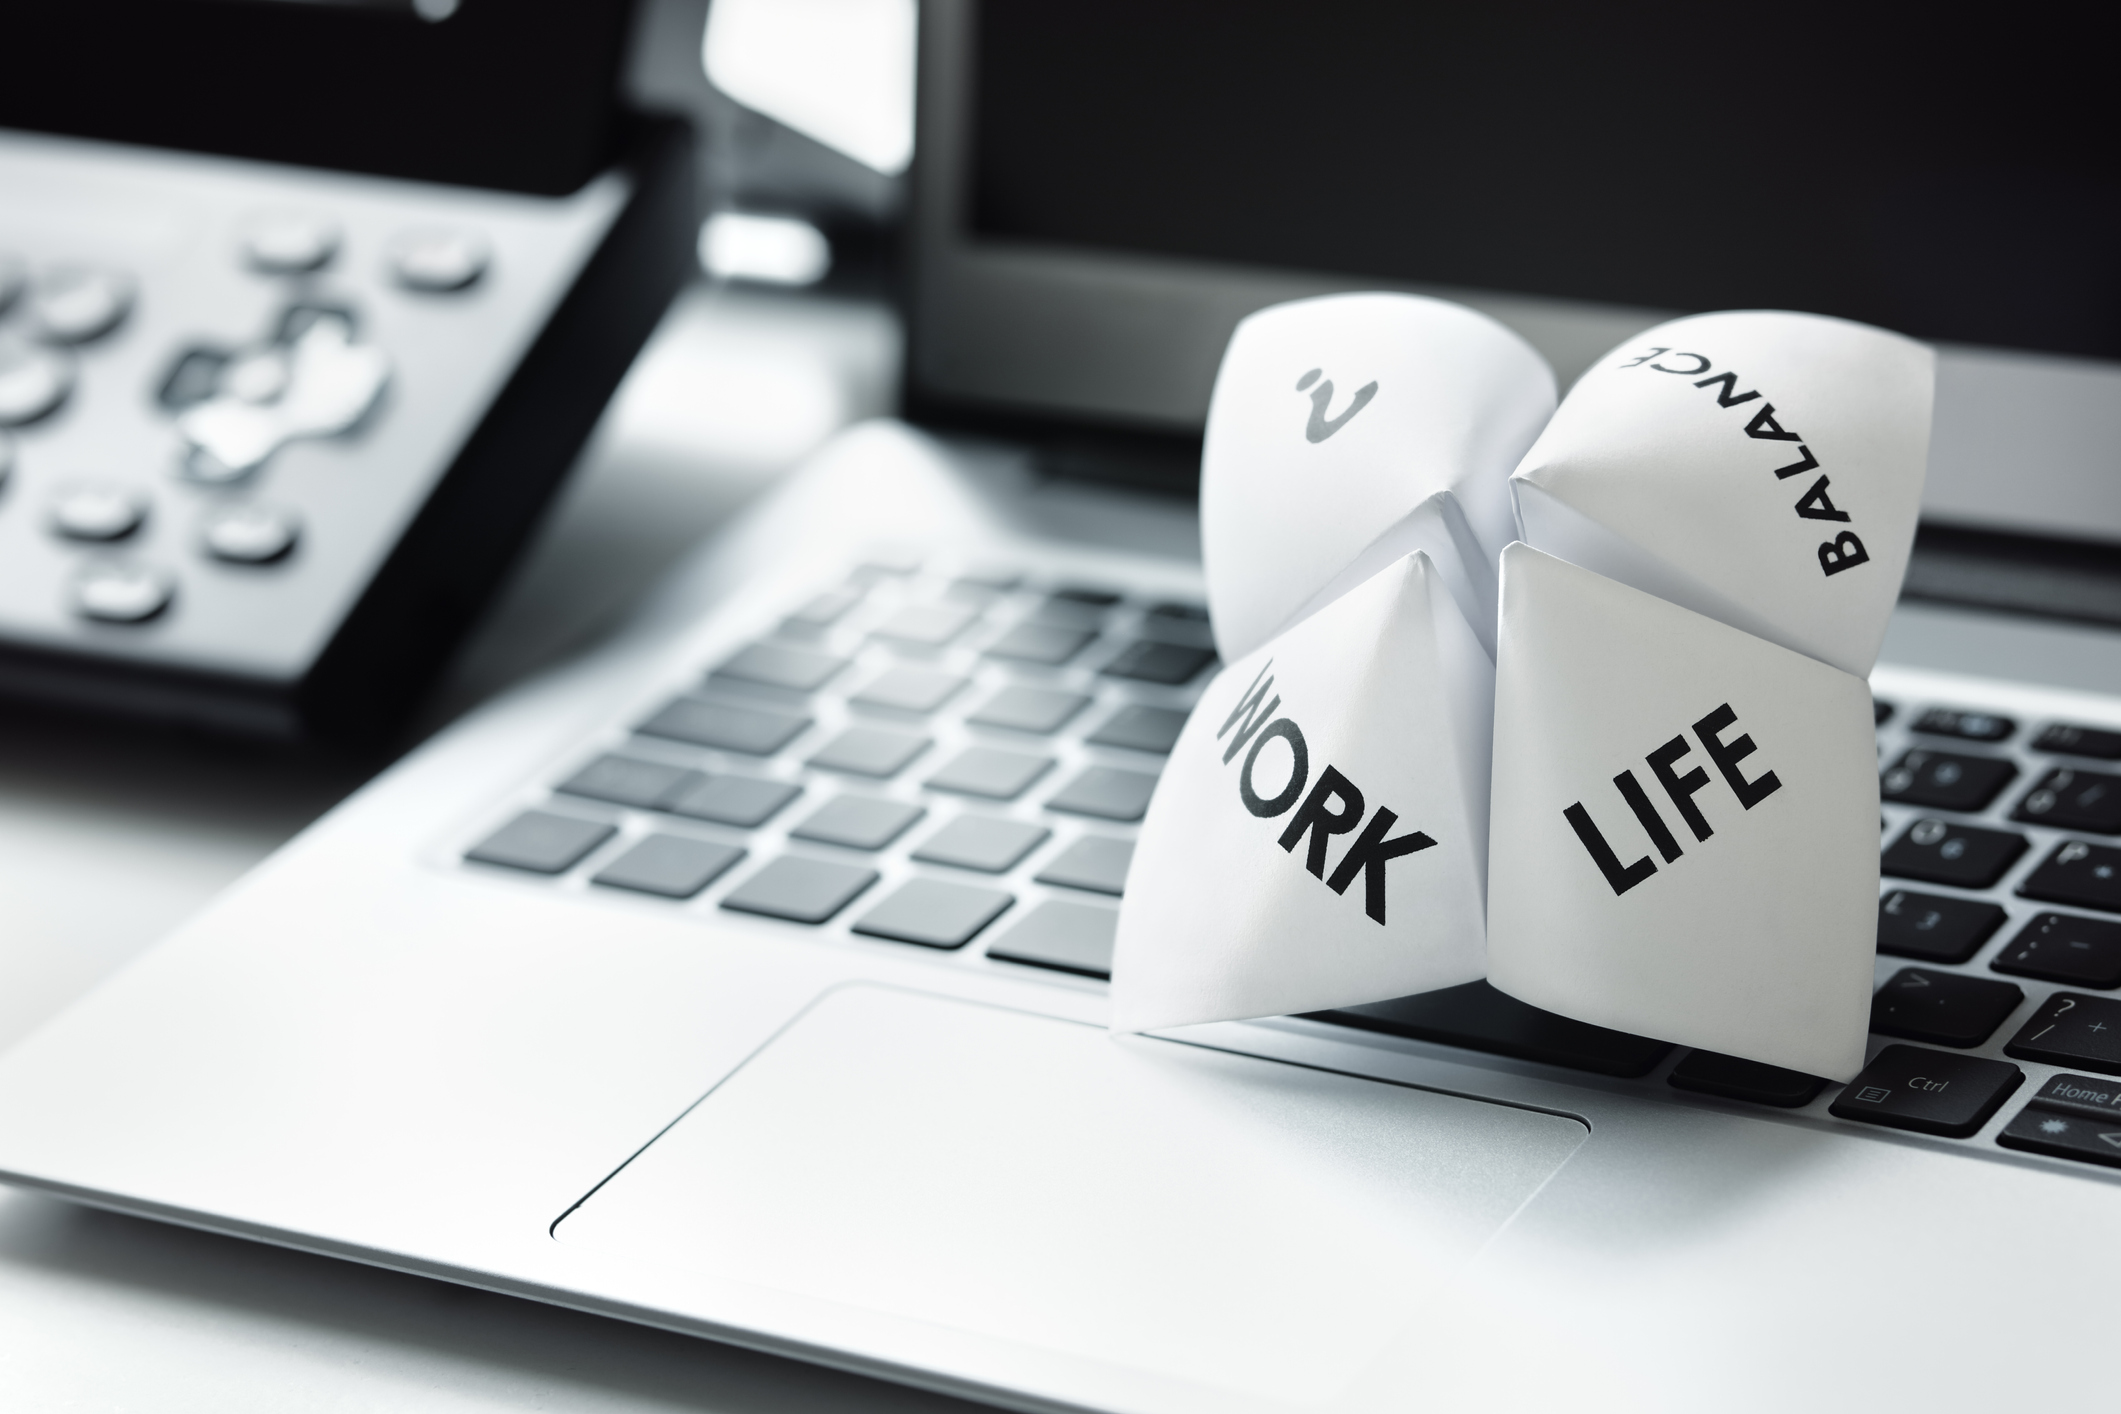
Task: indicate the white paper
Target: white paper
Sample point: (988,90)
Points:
(1756,941)
(1348,431)
(1759,467)
(1239,902)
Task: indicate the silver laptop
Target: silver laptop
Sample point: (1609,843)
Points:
(745,977)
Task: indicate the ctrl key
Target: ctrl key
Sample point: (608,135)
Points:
(1929,1092)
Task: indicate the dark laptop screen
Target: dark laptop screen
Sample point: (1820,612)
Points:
(1943,172)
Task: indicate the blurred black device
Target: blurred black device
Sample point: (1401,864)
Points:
(305,310)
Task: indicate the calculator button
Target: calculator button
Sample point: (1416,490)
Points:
(2064,1136)
(33,382)
(623,780)
(751,730)
(1106,792)
(743,801)
(1139,728)
(541,842)
(1934,927)
(2084,875)
(1029,709)
(934,914)
(1929,1092)
(780,665)
(1944,780)
(800,890)
(1942,1007)
(288,242)
(252,535)
(1707,1073)
(990,772)
(2064,740)
(1166,663)
(1960,855)
(672,866)
(1095,862)
(77,305)
(1967,726)
(100,513)
(2069,799)
(192,379)
(1065,937)
(437,260)
(858,822)
(2072,1029)
(870,751)
(983,842)
(116,593)
(2061,947)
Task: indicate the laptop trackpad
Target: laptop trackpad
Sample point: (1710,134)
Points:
(1218,1218)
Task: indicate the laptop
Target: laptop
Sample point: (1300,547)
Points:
(744,977)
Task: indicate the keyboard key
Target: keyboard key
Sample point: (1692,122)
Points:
(541,842)
(934,914)
(1960,855)
(910,690)
(2070,799)
(754,731)
(1094,862)
(991,772)
(623,780)
(1174,609)
(781,665)
(2083,875)
(994,579)
(823,612)
(743,801)
(800,890)
(1046,644)
(2042,1131)
(870,751)
(1106,792)
(1087,595)
(1881,712)
(1934,927)
(983,842)
(925,625)
(1066,937)
(858,822)
(1967,726)
(1166,663)
(1138,728)
(1175,628)
(1029,709)
(1708,1073)
(1942,1007)
(1930,1092)
(670,865)
(2082,1095)
(1479,1018)
(2070,1028)
(2064,740)
(1943,780)
(2060,947)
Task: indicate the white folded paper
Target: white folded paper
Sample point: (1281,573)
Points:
(1319,835)
(1348,431)
(1685,834)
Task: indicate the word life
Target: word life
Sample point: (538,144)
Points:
(1845,551)
(1334,806)
(1663,763)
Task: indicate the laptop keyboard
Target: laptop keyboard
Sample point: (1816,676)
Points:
(956,763)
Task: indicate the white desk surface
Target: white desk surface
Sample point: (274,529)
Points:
(109,837)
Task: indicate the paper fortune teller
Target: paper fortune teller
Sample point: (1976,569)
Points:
(1319,836)
(1685,804)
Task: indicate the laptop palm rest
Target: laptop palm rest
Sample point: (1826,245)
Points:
(1218,1218)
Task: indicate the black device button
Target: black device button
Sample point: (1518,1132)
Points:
(1934,927)
(2061,947)
(984,842)
(2065,740)
(1097,863)
(1169,664)
(2070,1028)
(1107,793)
(990,772)
(1709,1073)
(1140,728)
(2081,1094)
(1963,856)
(1930,1092)
(1480,1018)
(1967,726)
(2070,799)
(2084,875)
(1942,1007)
(2043,1131)
(1945,780)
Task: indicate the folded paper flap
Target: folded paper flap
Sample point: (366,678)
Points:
(1684,829)
(1771,463)
(1437,528)
(1334,418)
(1319,835)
